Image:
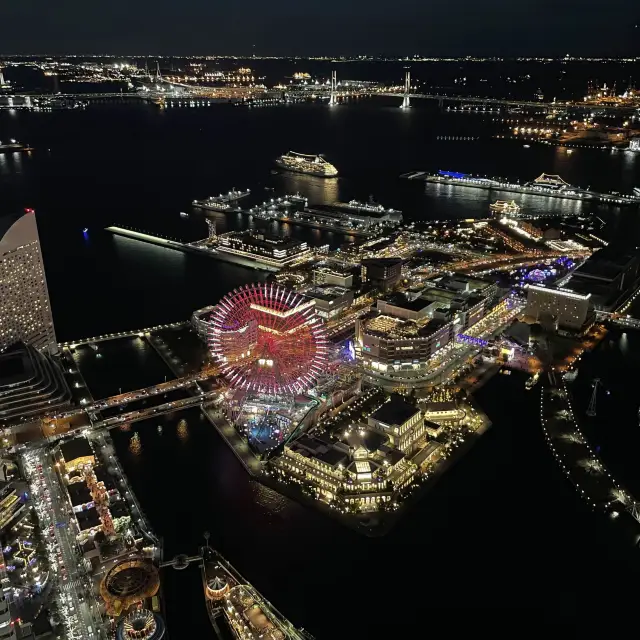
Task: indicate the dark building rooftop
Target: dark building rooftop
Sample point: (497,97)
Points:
(371,440)
(333,457)
(118,509)
(608,264)
(79,493)
(105,477)
(87,519)
(395,412)
(401,300)
(382,262)
(76,448)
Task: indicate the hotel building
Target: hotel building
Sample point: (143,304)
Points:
(25,311)
(384,273)
(568,310)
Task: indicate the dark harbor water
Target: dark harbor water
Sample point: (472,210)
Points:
(615,429)
(140,166)
(502,535)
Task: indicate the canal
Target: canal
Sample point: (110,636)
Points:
(502,532)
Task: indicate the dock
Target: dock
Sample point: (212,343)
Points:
(192,247)
(292,209)
(485,184)
(222,202)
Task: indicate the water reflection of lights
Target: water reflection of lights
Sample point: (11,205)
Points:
(182,430)
(134,444)
(317,190)
(624,343)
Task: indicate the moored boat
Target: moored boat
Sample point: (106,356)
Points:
(236,608)
(504,207)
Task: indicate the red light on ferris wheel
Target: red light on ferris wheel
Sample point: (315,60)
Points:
(268,339)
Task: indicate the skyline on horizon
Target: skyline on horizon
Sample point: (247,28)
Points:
(493,28)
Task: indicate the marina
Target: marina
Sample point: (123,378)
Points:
(353,218)
(552,186)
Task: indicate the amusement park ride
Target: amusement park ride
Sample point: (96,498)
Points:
(272,347)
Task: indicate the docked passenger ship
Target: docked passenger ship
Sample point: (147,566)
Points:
(505,208)
(236,609)
(309,164)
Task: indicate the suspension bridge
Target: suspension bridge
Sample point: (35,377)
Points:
(333,91)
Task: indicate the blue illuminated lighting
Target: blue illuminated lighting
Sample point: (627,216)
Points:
(452,174)
(478,342)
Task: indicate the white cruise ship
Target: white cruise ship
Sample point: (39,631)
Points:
(309,164)
(505,208)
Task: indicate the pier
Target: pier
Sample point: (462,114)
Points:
(294,209)
(565,193)
(195,247)
(585,470)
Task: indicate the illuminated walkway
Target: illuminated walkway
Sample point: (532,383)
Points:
(582,466)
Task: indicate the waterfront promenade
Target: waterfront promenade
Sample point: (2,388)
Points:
(593,482)
(194,247)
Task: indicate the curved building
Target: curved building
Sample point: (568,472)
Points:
(127,583)
(25,311)
(140,624)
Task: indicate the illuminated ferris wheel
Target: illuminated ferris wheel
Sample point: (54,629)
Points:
(268,339)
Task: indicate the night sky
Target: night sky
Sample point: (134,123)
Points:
(331,27)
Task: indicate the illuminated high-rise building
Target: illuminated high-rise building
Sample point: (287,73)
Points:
(25,311)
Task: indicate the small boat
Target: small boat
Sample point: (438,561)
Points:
(532,381)
(85,230)
(184,215)
(134,444)
(527,146)
(13,145)
(159,429)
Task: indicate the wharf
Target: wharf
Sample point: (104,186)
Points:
(194,247)
(285,210)
(305,222)
(222,202)
(236,443)
(506,187)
